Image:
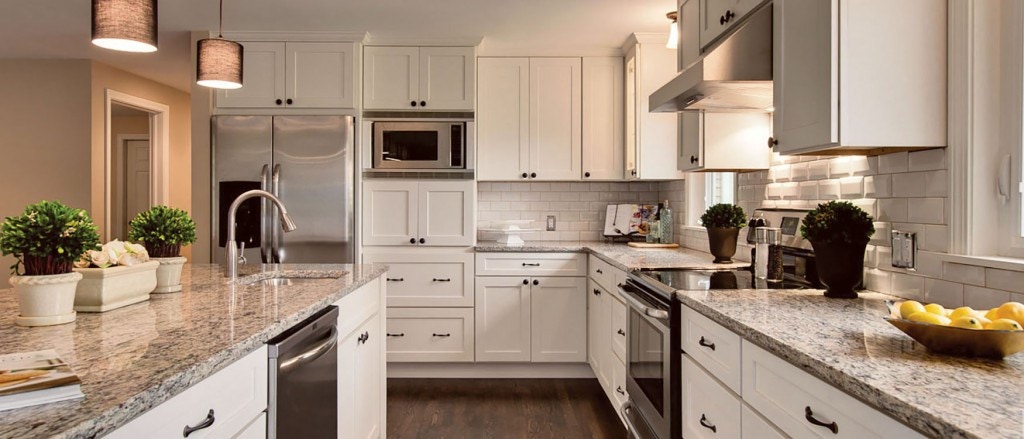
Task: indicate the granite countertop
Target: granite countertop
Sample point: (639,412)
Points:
(134,358)
(621,255)
(848,344)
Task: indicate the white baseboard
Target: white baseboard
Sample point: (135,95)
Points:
(489,370)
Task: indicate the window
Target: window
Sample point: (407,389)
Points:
(708,189)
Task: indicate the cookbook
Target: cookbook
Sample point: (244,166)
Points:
(33,378)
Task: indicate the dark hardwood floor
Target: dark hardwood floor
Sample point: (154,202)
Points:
(500,408)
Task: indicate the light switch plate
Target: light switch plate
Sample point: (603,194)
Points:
(551,223)
(904,249)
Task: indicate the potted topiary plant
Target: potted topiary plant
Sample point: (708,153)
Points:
(115,276)
(47,239)
(839,233)
(723,222)
(163,230)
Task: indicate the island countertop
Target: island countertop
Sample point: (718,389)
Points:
(134,358)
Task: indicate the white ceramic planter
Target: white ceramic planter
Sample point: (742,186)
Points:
(168,275)
(104,289)
(46,300)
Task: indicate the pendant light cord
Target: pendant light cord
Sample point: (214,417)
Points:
(220,30)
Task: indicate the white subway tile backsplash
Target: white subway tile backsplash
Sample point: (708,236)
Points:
(809,190)
(929,264)
(984,298)
(926,210)
(893,163)
(945,293)
(1012,281)
(817,170)
(936,239)
(851,187)
(929,160)
(965,274)
(829,189)
(908,286)
(878,280)
(878,186)
(892,210)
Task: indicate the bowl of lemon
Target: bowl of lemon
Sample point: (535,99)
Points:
(963,332)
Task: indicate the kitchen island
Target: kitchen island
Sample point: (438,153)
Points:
(135,358)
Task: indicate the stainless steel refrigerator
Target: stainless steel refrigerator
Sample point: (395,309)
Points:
(307,161)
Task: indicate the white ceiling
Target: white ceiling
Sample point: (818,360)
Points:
(61,28)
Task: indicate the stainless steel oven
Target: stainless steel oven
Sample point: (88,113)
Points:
(419,145)
(653,367)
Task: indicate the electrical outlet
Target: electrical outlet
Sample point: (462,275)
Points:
(551,223)
(904,249)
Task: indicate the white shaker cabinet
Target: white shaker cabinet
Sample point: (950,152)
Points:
(361,363)
(558,319)
(502,318)
(723,141)
(603,136)
(296,75)
(414,212)
(419,78)
(598,321)
(529,119)
(651,138)
(852,78)
(718,16)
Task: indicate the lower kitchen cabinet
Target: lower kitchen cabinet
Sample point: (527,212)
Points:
(755,426)
(598,324)
(361,363)
(426,277)
(236,396)
(502,319)
(709,410)
(606,329)
(430,335)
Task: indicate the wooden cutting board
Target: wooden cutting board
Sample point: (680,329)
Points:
(651,245)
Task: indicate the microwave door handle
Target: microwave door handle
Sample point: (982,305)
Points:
(264,215)
(659,314)
(275,226)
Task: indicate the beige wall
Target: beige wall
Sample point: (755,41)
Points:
(105,77)
(44,136)
(202,109)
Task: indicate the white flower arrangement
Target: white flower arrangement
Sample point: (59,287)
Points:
(113,253)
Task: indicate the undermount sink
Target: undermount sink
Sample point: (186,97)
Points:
(287,278)
(284,281)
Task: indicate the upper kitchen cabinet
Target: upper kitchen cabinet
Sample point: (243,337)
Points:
(718,16)
(529,120)
(723,141)
(603,137)
(294,75)
(413,212)
(650,137)
(859,77)
(418,78)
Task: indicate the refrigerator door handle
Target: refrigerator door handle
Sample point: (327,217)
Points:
(275,226)
(265,207)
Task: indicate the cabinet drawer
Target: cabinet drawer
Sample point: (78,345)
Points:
(791,398)
(709,410)
(619,383)
(619,328)
(712,346)
(430,334)
(754,426)
(257,429)
(531,264)
(441,280)
(236,395)
(602,272)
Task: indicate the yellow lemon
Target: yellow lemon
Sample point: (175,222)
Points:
(984,322)
(1011,310)
(935,308)
(927,317)
(992,314)
(968,322)
(961,312)
(1004,325)
(909,307)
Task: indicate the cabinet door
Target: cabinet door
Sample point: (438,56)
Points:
(619,327)
(390,78)
(599,347)
(320,75)
(446,212)
(709,410)
(502,119)
(689,33)
(806,71)
(446,78)
(691,140)
(263,78)
(502,319)
(359,381)
(602,118)
(559,319)
(555,118)
(632,170)
(727,148)
(390,212)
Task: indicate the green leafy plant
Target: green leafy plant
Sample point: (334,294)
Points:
(838,222)
(724,215)
(48,238)
(163,230)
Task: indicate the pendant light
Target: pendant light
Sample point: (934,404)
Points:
(220,60)
(673,30)
(124,25)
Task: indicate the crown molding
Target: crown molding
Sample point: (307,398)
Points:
(354,36)
(411,40)
(644,38)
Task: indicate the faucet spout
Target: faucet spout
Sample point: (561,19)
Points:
(233,252)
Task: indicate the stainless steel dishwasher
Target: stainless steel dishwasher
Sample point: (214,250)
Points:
(304,379)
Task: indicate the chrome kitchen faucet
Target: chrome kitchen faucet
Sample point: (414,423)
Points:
(233,251)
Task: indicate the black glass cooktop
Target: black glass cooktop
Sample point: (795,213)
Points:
(716,280)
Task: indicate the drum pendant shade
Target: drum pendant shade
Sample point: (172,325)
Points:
(219,64)
(125,25)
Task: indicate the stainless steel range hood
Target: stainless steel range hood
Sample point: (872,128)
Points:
(735,75)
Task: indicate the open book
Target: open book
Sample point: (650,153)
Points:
(33,378)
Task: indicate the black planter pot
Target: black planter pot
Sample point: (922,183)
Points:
(840,268)
(722,243)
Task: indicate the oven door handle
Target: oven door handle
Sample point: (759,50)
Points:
(659,314)
(631,430)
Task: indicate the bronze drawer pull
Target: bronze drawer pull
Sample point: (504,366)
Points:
(706,344)
(809,415)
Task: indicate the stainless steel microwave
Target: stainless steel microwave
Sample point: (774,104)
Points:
(419,145)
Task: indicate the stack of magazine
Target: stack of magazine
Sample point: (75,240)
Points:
(33,378)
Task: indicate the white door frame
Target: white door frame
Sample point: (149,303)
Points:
(159,149)
(119,162)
